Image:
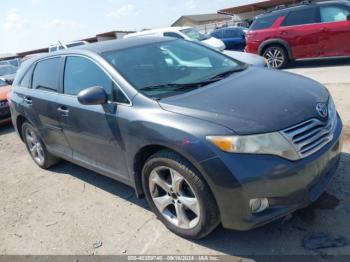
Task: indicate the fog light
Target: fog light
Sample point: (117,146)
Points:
(258,205)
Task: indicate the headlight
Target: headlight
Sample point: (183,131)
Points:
(270,143)
(332,111)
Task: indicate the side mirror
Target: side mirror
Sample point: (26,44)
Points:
(95,95)
(348,17)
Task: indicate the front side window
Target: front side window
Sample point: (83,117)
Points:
(263,22)
(169,67)
(334,13)
(7,70)
(46,75)
(300,17)
(194,34)
(81,73)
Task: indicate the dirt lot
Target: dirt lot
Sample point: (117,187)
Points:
(70,210)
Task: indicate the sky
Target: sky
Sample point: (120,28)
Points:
(30,24)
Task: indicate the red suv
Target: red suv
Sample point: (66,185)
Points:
(301,32)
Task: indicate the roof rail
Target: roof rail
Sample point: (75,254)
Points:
(281,7)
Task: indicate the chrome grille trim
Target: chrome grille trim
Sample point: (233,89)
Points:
(310,136)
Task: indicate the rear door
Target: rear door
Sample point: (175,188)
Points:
(40,103)
(92,130)
(301,30)
(335,35)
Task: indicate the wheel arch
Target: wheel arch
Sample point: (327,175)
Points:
(144,153)
(274,42)
(19,122)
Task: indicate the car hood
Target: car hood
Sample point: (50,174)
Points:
(4,90)
(250,59)
(8,77)
(214,42)
(254,101)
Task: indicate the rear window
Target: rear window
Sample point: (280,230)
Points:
(264,22)
(46,75)
(301,17)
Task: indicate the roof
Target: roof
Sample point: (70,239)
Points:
(158,30)
(205,17)
(107,46)
(265,5)
(262,5)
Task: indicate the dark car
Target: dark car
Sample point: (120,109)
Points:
(205,138)
(303,32)
(233,37)
(5,116)
(8,72)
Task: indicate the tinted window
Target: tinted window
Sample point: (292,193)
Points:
(81,73)
(264,22)
(3,83)
(172,34)
(25,82)
(153,67)
(46,75)
(300,17)
(334,13)
(231,33)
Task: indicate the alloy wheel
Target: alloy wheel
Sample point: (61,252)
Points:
(35,146)
(275,57)
(174,198)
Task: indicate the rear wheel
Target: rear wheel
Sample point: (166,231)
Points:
(179,196)
(276,56)
(37,148)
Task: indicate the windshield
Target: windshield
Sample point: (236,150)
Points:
(167,68)
(2,83)
(7,70)
(194,34)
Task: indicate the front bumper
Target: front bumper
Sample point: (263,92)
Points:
(5,115)
(288,185)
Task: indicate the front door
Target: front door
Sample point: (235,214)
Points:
(300,30)
(335,36)
(92,131)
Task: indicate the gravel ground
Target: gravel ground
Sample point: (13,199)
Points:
(70,210)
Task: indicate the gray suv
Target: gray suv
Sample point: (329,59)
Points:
(207,139)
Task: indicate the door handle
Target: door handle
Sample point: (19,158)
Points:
(283,32)
(325,30)
(64,111)
(28,100)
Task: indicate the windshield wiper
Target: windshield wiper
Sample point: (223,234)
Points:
(177,86)
(226,73)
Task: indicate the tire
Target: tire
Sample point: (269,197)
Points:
(179,196)
(37,148)
(276,56)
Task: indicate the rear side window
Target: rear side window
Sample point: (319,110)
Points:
(25,82)
(301,17)
(334,13)
(46,75)
(231,33)
(264,22)
(81,73)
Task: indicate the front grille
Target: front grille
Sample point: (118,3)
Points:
(310,136)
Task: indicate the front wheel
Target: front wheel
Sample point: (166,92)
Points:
(179,196)
(276,57)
